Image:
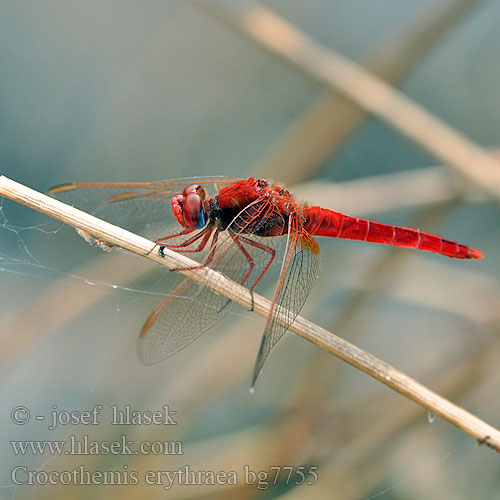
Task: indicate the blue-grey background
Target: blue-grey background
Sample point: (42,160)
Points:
(138,91)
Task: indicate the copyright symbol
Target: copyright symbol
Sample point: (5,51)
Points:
(20,415)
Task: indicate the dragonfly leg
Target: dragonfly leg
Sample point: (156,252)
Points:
(181,233)
(208,262)
(181,247)
(157,242)
(251,262)
(200,247)
(206,232)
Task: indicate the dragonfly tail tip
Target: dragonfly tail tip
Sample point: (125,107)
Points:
(476,254)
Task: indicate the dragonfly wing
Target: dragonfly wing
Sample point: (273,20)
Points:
(141,207)
(299,270)
(191,308)
(179,319)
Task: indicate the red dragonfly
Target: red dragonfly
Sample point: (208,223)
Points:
(244,225)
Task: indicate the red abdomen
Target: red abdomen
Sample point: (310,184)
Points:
(323,222)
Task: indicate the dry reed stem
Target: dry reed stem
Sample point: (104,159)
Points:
(371,194)
(369,364)
(371,93)
(311,139)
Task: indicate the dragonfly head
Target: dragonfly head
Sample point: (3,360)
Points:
(188,207)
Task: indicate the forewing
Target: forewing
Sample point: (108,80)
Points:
(298,272)
(191,308)
(141,207)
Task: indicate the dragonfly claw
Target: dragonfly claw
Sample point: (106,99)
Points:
(252,307)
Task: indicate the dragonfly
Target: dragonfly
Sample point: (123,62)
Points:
(239,227)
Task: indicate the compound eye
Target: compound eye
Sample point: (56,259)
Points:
(193,212)
(194,189)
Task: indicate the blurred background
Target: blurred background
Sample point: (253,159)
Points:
(131,91)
